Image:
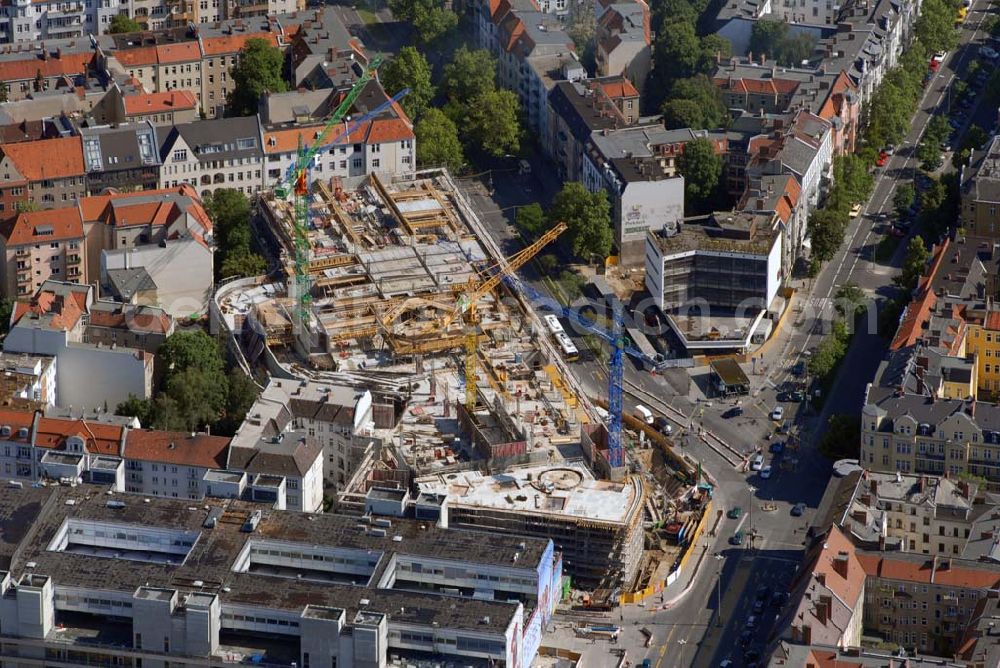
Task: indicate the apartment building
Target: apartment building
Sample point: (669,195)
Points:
(922,514)
(213,154)
(577,111)
(623,42)
(42,245)
(384,144)
(28,381)
(979,186)
(49,173)
(284,586)
(54,322)
(160,109)
(123,158)
(780,195)
(341,419)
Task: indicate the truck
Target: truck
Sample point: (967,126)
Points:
(643,414)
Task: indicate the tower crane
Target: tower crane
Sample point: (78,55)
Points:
(296,182)
(619,347)
(465,308)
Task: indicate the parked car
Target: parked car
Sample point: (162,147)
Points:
(757,463)
(751,655)
(746,637)
(758,607)
(663,425)
(778,413)
(778,599)
(799,369)
(856,210)
(939,57)
(798,509)
(896,233)
(988,53)
(734,513)
(777,447)
(736,538)
(765,472)
(751,622)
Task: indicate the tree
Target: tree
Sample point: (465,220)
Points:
(242,393)
(437,141)
(903,199)
(257,71)
(137,407)
(588,216)
(121,23)
(850,300)
(191,350)
(714,47)
(430,18)
(469,74)
(677,50)
(701,167)
(409,69)
(531,219)
(241,264)
(929,155)
(936,25)
(199,397)
(913,264)
(493,123)
(826,232)
(6,311)
(842,438)
(580,24)
(694,103)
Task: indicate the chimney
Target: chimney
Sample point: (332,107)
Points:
(840,563)
(821,578)
(718,57)
(823,609)
(750,57)
(963,487)
(763,59)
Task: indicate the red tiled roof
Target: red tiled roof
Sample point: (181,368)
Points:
(378,131)
(227,44)
(99,438)
(65,314)
(917,313)
(992,320)
(178,448)
(622,88)
(31,227)
(135,319)
(183,52)
(47,159)
(153,103)
(68,64)
(17,420)
(848,589)
(145,55)
(824,658)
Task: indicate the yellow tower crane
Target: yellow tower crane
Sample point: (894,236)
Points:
(465,308)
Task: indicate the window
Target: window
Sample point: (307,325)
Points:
(375,162)
(180,155)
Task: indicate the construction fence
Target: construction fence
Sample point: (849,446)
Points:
(657,587)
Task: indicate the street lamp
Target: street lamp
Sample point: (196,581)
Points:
(752,490)
(718,592)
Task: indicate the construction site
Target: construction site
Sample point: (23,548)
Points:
(393,287)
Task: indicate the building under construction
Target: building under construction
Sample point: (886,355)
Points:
(397,274)
(596,524)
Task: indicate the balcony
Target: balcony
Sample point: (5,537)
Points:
(23,278)
(73,259)
(73,272)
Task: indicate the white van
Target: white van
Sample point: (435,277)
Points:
(757,463)
(643,414)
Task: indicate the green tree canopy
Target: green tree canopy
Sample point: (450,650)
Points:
(588,216)
(694,103)
(936,25)
(257,71)
(701,167)
(493,123)
(677,49)
(902,200)
(826,232)
(470,74)
(229,210)
(430,18)
(409,69)
(121,23)
(531,219)
(191,350)
(437,141)
(913,264)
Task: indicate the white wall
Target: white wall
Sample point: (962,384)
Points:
(182,271)
(773,270)
(91,377)
(646,205)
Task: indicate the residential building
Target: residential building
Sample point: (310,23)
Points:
(919,513)
(623,42)
(288,587)
(577,110)
(164,463)
(220,52)
(48,173)
(533,54)
(124,158)
(28,381)
(638,166)
(213,154)
(980,192)
(604,548)
(53,323)
(39,245)
(169,108)
(780,195)
(828,595)
(324,54)
(385,144)
(61,64)
(341,419)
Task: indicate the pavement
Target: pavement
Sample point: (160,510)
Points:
(684,623)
